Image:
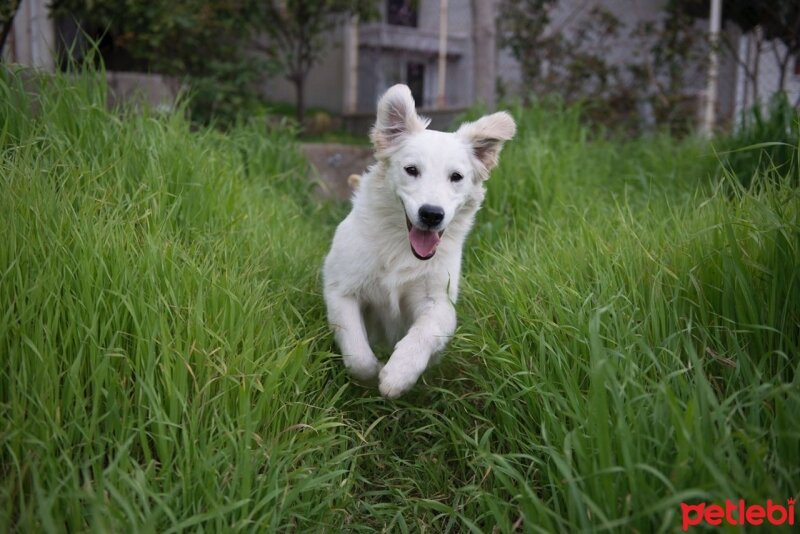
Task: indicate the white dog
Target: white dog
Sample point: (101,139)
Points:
(393,270)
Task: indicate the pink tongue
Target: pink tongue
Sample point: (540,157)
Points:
(423,241)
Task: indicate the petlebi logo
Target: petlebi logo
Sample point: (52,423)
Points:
(737,513)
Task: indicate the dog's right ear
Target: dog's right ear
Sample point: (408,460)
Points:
(396,118)
(486,136)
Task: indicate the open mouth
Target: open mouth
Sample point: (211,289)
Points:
(423,242)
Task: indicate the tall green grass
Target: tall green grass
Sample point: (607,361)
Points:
(766,141)
(628,337)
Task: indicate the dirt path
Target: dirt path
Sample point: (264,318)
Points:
(332,163)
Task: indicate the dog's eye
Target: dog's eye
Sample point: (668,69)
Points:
(456,177)
(412,171)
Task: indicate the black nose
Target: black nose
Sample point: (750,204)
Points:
(431,215)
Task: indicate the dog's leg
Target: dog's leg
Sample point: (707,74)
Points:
(433,326)
(344,315)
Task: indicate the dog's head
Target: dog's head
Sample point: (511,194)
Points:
(435,174)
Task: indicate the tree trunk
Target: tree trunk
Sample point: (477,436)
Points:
(7,27)
(300,99)
(756,73)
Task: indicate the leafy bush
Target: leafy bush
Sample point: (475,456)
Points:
(205,43)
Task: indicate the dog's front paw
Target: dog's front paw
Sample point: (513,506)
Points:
(396,378)
(364,368)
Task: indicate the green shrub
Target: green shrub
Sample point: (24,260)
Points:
(206,44)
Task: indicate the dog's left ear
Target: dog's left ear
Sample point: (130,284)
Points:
(486,137)
(396,119)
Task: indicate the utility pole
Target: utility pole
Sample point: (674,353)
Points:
(351,66)
(440,101)
(709,116)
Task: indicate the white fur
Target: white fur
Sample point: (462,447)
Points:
(375,288)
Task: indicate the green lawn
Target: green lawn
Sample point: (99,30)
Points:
(629,330)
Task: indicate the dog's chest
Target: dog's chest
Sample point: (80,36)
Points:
(388,307)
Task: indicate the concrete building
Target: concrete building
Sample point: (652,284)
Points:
(364,59)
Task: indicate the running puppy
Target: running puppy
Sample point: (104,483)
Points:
(393,270)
